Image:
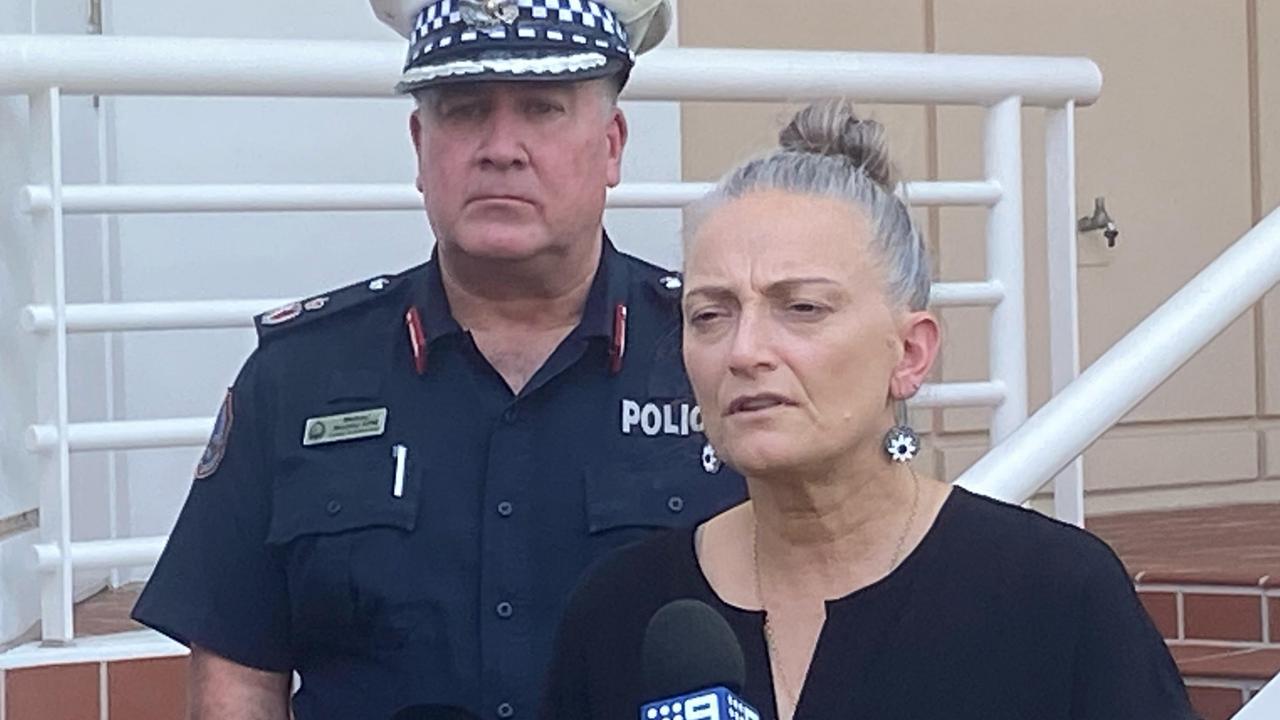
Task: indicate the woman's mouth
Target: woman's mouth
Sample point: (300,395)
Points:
(756,403)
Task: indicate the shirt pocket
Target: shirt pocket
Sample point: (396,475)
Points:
(625,504)
(327,500)
(327,517)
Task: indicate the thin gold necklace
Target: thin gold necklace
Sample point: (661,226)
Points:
(788,690)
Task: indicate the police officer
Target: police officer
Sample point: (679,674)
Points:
(410,473)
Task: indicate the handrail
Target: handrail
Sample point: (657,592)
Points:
(1265,704)
(309,68)
(1077,416)
(338,197)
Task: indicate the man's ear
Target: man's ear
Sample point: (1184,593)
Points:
(616,136)
(415,134)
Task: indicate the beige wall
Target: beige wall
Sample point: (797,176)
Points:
(1268,193)
(1184,145)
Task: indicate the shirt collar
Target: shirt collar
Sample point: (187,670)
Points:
(608,291)
(433,304)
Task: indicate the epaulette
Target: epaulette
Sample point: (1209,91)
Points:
(668,286)
(275,322)
(667,289)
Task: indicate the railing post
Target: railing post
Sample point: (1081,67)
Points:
(1002,147)
(1064,323)
(56,593)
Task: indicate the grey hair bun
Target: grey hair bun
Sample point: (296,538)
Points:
(832,127)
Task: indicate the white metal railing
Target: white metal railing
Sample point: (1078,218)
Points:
(290,68)
(1133,367)
(45,67)
(123,199)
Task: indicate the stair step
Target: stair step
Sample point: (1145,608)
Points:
(1204,574)
(1218,702)
(1233,545)
(1210,580)
(1226,661)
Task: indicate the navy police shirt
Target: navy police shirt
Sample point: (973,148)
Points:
(377,511)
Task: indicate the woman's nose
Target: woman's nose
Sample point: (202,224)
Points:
(751,351)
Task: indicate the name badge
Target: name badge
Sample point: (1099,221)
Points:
(347,426)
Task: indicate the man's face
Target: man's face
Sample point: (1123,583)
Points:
(514,170)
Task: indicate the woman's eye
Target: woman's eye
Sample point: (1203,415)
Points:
(702,317)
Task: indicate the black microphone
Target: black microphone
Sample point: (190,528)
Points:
(693,664)
(432,712)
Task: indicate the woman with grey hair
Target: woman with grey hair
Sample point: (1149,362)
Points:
(855,586)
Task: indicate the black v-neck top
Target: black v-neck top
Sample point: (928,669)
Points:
(1000,612)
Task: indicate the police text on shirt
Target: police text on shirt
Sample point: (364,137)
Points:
(673,418)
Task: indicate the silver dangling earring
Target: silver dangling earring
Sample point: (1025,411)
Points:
(901,442)
(710,460)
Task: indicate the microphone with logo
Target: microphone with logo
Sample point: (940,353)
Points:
(694,665)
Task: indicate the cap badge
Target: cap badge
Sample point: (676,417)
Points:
(488,14)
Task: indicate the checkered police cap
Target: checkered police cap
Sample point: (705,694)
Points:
(471,40)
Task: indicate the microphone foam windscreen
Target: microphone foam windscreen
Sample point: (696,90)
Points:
(689,646)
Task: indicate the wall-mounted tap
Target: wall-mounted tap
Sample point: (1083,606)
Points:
(1100,220)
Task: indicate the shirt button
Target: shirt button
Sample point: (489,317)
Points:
(505,610)
(506,711)
(333,508)
(509,415)
(505,509)
(675,503)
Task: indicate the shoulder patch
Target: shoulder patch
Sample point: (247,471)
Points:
(217,447)
(304,312)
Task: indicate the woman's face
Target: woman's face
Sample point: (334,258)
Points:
(790,342)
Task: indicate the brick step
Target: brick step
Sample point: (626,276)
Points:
(153,689)
(1219,701)
(1231,546)
(1199,612)
(1227,662)
(1210,579)
(1220,678)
